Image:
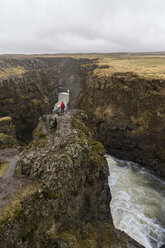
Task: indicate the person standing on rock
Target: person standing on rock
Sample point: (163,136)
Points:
(62,107)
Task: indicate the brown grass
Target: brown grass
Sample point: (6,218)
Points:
(3,167)
(11,71)
(15,204)
(144,66)
(36,102)
(6,118)
(147,65)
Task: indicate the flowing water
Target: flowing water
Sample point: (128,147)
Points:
(62,96)
(138,202)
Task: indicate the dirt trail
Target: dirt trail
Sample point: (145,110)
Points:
(9,183)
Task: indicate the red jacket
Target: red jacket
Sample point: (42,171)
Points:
(62,105)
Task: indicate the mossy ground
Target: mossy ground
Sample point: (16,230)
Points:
(91,237)
(77,123)
(11,71)
(84,134)
(36,102)
(14,208)
(37,130)
(15,211)
(6,141)
(39,138)
(30,229)
(3,167)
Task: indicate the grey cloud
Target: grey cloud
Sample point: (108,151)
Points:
(40,26)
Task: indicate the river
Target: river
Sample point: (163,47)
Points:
(62,96)
(138,202)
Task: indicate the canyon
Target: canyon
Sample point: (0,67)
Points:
(68,204)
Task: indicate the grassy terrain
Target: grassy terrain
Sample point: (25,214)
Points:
(15,205)
(5,119)
(11,71)
(147,65)
(3,167)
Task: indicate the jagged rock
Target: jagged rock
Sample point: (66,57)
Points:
(28,96)
(71,206)
(51,121)
(7,132)
(6,125)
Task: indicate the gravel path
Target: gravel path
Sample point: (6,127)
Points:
(9,183)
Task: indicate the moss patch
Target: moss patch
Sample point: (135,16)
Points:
(51,195)
(14,208)
(96,158)
(36,102)
(37,133)
(78,124)
(96,145)
(28,232)
(6,141)
(37,130)
(97,149)
(3,167)
(39,138)
(93,237)
(38,143)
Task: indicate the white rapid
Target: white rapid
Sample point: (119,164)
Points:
(63,96)
(138,202)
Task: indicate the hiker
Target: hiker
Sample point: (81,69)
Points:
(62,107)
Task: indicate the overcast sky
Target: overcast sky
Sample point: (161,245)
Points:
(55,26)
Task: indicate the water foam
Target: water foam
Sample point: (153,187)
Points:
(138,202)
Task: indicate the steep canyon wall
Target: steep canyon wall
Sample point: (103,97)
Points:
(27,96)
(127,114)
(126,111)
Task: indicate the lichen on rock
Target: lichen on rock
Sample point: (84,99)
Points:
(126,113)
(7,132)
(70,208)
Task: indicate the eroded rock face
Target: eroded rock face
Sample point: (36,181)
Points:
(25,97)
(71,205)
(127,115)
(7,132)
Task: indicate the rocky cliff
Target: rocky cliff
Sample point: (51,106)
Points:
(66,202)
(29,88)
(127,114)
(7,132)
(26,98)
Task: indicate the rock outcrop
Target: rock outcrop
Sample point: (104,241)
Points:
(66,204)
(25,99)
(69,201)
(7,132)
(127,114)
(27,96)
